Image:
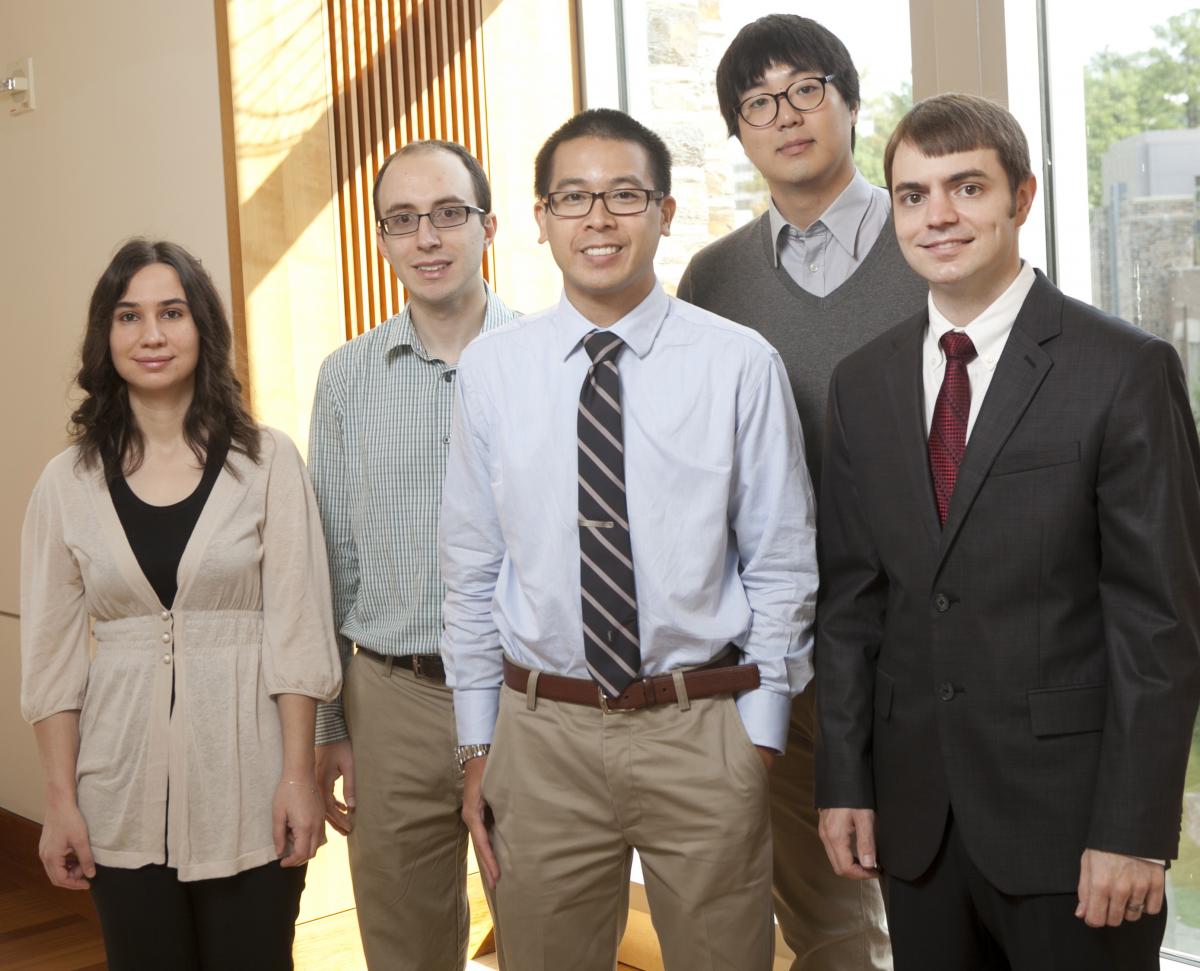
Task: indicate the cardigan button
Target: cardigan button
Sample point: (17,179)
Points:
(166,638)
(166,659)
(165,615)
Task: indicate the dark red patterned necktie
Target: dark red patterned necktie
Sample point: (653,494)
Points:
(948,433)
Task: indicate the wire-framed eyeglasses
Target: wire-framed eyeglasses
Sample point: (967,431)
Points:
(805,94)
(443,217)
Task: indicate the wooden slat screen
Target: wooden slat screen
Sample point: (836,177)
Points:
(401,70)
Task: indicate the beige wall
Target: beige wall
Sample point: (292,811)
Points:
(125,141)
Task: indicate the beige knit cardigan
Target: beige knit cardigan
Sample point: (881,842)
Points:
(252,619)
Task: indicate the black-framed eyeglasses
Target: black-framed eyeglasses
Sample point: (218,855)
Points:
(806,94)
(577,203)
(443,217)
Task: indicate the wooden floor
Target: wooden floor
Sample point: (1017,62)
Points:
(43,928)
(40,930)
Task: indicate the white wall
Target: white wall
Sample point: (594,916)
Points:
(125,140)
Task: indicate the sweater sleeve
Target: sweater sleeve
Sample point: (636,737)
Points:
(300,654)
(54,617)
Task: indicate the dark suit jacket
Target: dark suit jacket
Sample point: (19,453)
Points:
(1034,664)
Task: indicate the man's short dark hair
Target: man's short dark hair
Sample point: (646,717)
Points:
(787,40)
(949,123)
(479,179)
(610,124)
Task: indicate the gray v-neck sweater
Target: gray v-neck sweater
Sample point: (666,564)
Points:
(736,277)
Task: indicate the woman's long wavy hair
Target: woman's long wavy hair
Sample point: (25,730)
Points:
(104,426)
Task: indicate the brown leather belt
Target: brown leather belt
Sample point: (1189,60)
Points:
(723,676)
(427,666)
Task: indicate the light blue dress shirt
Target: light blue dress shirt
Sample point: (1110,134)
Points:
(825,255)
(721,512)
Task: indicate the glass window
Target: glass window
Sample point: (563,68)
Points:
(1124,139)
(670,50)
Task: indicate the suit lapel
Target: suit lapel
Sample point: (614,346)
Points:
(1022,368)
(906,395)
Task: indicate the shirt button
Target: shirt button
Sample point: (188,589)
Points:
(941,603)
(445,439)
(812,267)
(166,638)
(945,691)
(165,615)
(448,376)
(166,659)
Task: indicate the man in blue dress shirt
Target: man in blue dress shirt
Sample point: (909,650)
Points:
(627,543)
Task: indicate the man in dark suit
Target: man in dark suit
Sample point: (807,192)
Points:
(1010,606)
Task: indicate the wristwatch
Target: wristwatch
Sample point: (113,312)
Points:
(464,754)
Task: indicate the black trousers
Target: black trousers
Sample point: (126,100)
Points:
(953,919)
(152,920)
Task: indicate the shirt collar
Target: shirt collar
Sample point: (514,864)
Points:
(843,219)
(403,334)
(989,331)
(638,328)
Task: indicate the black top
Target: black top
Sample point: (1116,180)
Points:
(158,535)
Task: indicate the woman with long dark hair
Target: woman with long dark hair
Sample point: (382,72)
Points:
(178,749)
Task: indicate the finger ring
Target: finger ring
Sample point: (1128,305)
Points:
(1134,908)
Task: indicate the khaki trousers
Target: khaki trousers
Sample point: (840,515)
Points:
(829,922)
(574,791)
(408,848)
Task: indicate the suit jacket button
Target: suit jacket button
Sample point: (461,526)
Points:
(945,691)
(941,603)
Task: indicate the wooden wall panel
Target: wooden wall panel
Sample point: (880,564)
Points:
(401,70)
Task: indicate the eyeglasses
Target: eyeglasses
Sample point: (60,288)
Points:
(577,203)
(444,217)
(806,94)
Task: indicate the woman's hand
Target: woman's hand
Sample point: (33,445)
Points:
(64,847)
(298,816)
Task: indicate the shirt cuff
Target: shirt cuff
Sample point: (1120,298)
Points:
(765,714)
(331,723)
(475,712)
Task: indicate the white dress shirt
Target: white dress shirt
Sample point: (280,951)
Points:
(721,511)
(825,255)
(988,332)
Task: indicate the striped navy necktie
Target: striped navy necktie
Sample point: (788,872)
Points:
(610,617)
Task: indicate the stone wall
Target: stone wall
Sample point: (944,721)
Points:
(1154,237)
(1153,240)
(685,40)
(1183,292)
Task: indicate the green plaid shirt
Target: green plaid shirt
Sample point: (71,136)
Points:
(377,456)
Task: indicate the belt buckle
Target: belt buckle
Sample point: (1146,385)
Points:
(611,711)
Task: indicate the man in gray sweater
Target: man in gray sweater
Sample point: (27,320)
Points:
(818,274)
